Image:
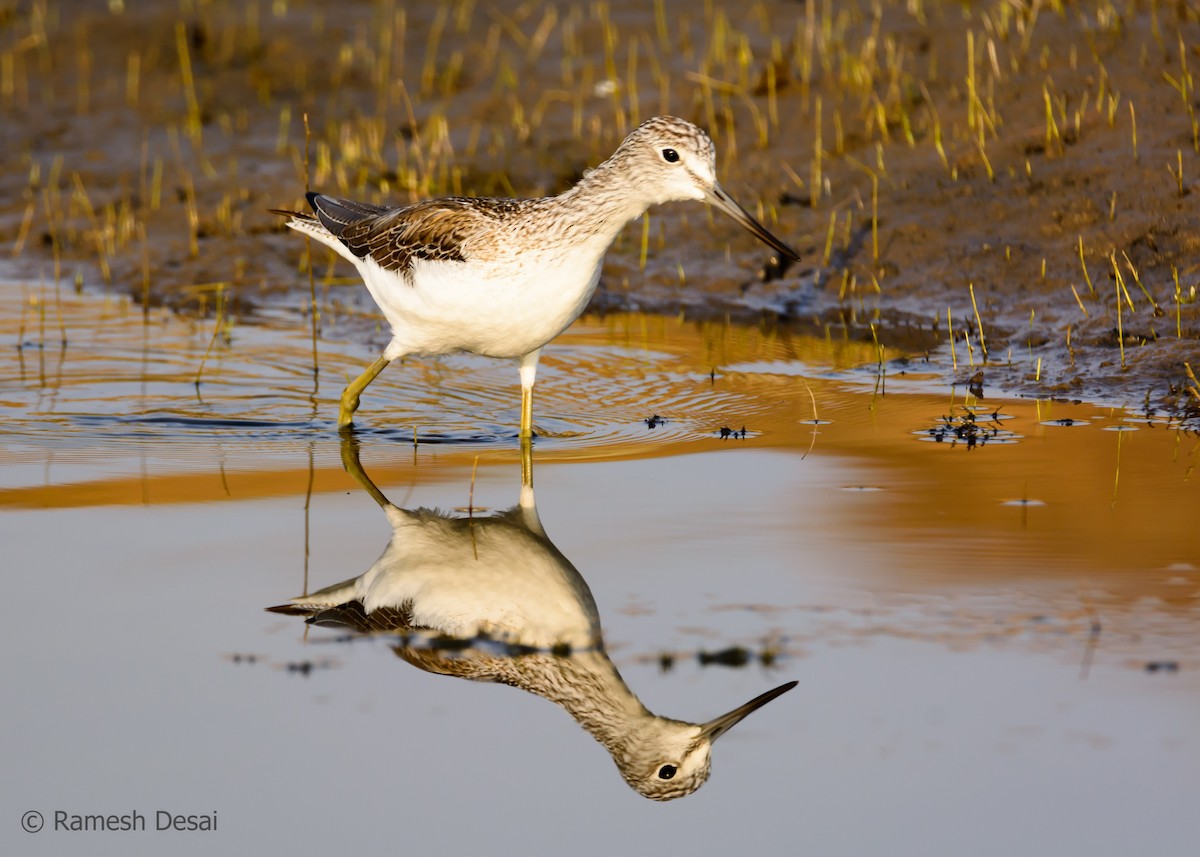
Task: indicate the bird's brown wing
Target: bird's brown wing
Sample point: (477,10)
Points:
(437,229)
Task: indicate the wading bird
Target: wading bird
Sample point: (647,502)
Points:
(503,277)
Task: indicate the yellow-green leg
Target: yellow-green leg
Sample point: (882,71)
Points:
(528,370)
(526,413)
(354,389)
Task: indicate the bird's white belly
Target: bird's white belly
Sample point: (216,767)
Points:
(494,579)
(501,310)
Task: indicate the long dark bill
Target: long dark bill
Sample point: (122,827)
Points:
(718,726)
(717,197)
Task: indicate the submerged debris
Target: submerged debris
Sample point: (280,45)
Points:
(1162,666)
(774,268)
(306,667)
(969,429)
(734,656)
(739,656)
(1182,402)
(975,385)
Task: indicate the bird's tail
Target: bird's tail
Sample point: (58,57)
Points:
(330,596)
(294,215)
(336,214)
(329,218)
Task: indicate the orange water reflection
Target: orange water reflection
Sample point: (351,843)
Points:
(1077,501)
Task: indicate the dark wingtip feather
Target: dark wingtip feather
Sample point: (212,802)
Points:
(290,610)
(329,211)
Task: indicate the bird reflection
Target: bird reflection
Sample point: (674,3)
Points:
(492,599)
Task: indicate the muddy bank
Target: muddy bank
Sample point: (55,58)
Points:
(1045,156)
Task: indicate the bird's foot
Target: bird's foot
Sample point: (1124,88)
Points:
(346,413)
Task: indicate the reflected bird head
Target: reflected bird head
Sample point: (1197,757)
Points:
(672,758)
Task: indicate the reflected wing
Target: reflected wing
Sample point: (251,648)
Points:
(354,617)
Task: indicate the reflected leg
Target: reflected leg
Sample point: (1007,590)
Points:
(350,396)
(526,464)
(353,464)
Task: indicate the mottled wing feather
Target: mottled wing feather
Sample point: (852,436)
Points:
(439,229)
(434,230)
(353,616)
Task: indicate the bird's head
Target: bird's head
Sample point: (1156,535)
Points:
(674,159)
(669,759)
(670,159)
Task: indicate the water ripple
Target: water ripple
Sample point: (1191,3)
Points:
(124,377)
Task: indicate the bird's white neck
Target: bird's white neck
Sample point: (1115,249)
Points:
(594,693)
(609,201)
(587,685)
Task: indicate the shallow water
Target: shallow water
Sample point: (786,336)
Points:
(995,642)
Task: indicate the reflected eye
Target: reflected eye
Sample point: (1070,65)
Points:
(670,156)
(666,771)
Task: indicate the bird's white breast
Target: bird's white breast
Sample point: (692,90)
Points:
(502,308)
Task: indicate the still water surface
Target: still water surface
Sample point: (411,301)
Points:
(995,646)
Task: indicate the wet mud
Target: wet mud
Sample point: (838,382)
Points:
(1015,179)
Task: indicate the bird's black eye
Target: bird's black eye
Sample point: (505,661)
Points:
(670,156)
(666,771)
